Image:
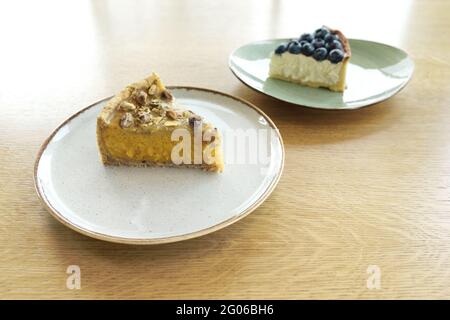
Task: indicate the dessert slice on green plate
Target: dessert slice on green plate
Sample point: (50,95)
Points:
(315,60)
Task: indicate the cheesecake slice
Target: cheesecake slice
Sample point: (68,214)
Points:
(315,60)
(144,126)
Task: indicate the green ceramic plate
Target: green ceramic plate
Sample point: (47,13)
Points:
(376,72)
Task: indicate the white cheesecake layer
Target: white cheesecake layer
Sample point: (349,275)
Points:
(301,68)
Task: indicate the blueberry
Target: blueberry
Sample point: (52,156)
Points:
(306,37)
(320,54)
(281,49)
(318,43)
(291,43)
(295,48)
(307,49)
(336,56)
(321,33)
(303,42)
(330,37)
(335,44)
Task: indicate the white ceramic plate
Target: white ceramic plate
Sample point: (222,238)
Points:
(155,205)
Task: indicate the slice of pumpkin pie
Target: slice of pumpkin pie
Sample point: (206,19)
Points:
(144,126)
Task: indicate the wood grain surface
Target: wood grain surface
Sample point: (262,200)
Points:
(360,188)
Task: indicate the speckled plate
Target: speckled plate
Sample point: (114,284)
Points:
(375,73)
(155,205)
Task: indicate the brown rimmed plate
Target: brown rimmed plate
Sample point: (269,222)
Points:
(160,205)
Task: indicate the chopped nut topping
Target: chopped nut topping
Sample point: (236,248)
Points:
(127,120)
(144,116)
(155,102)
(167,95)
(172,114)
(147,107)
(164,106)
(127,106)
(152,90)
(141,97)
(158,111)
(171,123)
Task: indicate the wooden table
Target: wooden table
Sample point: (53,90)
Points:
(360,188)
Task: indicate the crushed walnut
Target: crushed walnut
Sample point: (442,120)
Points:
(127,120)
(144,116)
(141,97)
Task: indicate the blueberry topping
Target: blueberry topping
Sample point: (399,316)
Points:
(306,37)
(307,49)
(318,43)
(320,54)
(295,48)
(330,37)
(281,49)
(335,44)
(303,42)
(291,42)
(321,45)
(321,33)
(336,56)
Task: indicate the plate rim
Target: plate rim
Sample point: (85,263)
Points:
(400,88)
(146,241)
